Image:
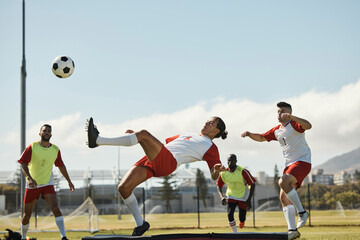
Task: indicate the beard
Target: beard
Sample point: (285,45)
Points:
(44,138)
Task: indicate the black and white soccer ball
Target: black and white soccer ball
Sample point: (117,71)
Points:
(63,66)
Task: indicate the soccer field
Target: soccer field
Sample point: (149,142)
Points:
(325,225)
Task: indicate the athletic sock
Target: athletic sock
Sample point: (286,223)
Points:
(132,204)
(233,226)
(60,223)
(24,229)
(289,213)
(294,198)
(126,140)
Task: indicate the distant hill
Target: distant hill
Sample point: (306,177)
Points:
(346,162)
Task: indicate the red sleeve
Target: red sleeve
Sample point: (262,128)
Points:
(26,155)
(220,183)
(270,135)
(212,156)
(297,127)
(171,138)
(59,162)
(248,177)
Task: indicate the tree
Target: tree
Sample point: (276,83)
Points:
(168,191)
(276,178)
(202,184)
(348,199)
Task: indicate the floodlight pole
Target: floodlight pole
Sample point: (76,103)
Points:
(23,106)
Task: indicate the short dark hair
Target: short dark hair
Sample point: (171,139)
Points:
(232,157)
(283,104)
(46,125)
(221,126)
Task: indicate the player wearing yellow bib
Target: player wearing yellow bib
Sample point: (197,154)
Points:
(37,163)
(238,180)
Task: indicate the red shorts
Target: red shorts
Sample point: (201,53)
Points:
(299,170)
(241,204)
(163,165)
(34,193)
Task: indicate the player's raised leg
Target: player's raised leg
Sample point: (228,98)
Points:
(150,144)
(94,140)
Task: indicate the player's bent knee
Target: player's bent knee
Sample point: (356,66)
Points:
(124,190)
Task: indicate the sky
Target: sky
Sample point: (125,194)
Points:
(168,66)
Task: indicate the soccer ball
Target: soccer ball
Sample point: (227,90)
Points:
(63,66)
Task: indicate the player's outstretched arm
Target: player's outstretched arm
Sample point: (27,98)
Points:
(254,136)
(215,171)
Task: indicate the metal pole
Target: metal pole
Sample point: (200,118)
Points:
(253,207)
(118,182)
(143,202)
(23,106)
(309,203)
(198,205)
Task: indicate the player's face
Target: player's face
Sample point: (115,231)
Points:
(45,133)
(231,162)
(282,110)
(210,128)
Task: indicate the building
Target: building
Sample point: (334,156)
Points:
(319,177)
(342,178)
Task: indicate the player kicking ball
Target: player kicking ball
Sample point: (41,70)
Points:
(162,159)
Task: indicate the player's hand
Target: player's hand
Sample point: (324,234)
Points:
(129,131)
(223,201)
(219,167)
(245,134)
(286,116)
(32,183)
(71,186)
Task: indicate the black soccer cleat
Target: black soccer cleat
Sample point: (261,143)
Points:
(64,238)
(140,230)
(93,133)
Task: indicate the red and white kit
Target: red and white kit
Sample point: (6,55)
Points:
(180,149)
(292,141)
(187,148)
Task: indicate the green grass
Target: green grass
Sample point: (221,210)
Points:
(325,225)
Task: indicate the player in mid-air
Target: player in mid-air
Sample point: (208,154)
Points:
(237,180)
(37,163)
(161,160)
(291,136)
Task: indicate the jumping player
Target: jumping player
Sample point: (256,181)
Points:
(162,160)
(37,163)
(291,136)
(237,180)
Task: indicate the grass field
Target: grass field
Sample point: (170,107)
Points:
(325,225)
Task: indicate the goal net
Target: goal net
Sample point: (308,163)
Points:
(83,218)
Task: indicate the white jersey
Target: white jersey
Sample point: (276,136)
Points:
(292,141)
(187,148)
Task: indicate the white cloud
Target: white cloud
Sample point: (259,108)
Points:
(334,116)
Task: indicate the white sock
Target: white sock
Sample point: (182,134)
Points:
(132,204)
(126,140)
(289,213)
(24,229)
(233,226)
(294,198)
(60,223)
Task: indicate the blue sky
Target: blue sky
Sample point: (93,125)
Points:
(168,66)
